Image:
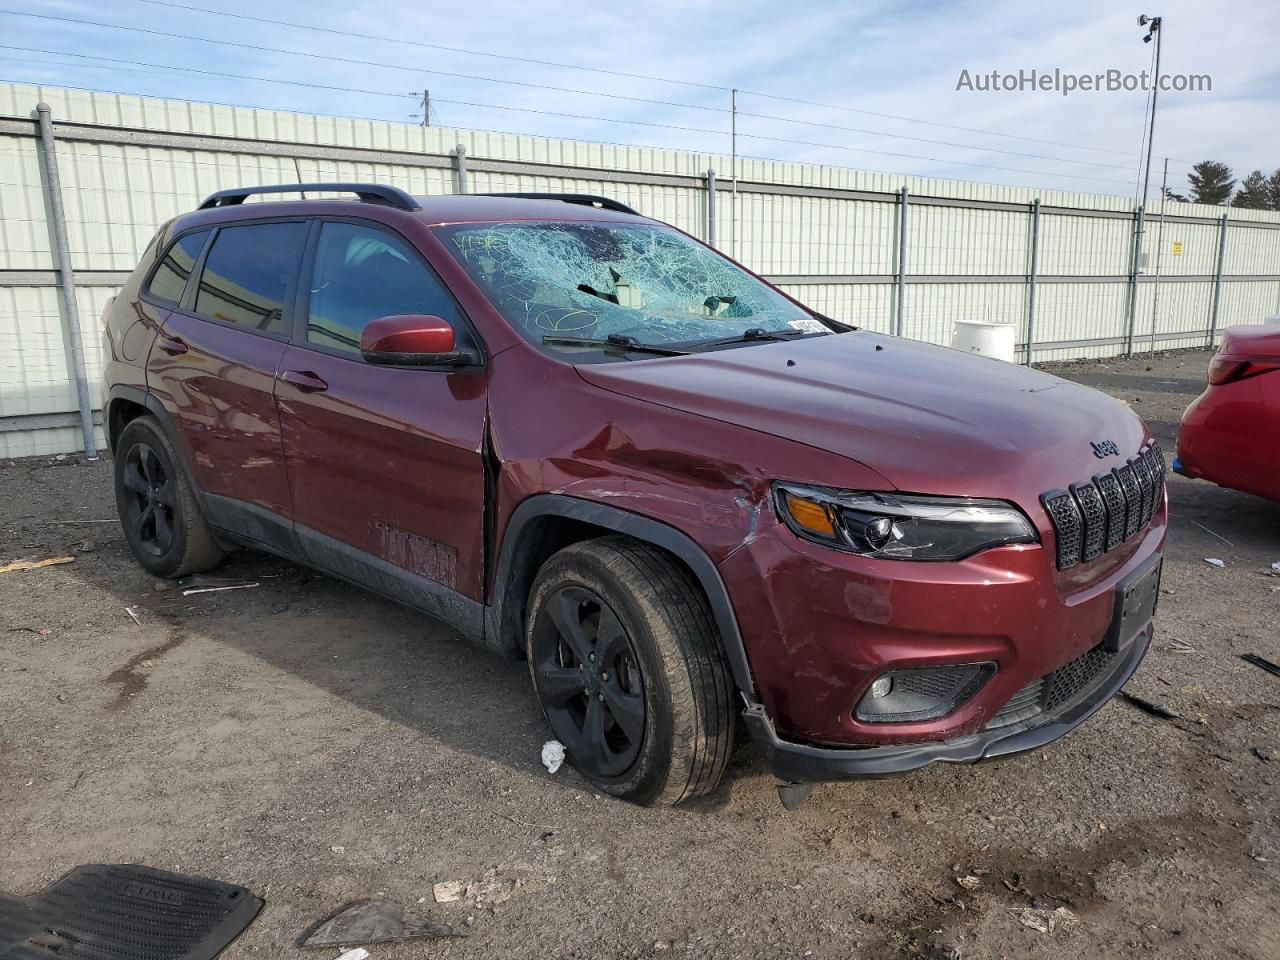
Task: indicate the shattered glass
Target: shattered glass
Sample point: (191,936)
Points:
(594,280)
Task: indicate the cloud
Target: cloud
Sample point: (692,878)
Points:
(900,59)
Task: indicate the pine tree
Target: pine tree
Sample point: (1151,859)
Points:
(1171,195)
(1273,191)
(1252,194)
(1211,182)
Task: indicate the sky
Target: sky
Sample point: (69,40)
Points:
(880,79)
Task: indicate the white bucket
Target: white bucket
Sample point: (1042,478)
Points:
(989,339)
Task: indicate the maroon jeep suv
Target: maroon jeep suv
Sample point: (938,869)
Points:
(581,436)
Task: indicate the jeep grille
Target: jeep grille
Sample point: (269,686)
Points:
(1094,517)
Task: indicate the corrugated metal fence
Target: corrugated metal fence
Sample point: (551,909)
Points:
(908,255)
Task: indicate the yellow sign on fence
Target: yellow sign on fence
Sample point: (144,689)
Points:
(1177,248)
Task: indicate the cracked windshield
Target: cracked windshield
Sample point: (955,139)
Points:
(639,285)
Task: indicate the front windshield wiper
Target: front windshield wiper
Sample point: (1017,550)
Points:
(629,344)
(755,333)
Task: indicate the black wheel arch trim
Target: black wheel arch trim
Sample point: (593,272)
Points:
(154,406)
(633,525)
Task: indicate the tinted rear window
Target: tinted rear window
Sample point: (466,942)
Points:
(170,278)
(248,274)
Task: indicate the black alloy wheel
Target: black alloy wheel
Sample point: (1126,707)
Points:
(150,500)
(590,682)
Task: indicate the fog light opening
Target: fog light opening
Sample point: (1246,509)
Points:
(914,694)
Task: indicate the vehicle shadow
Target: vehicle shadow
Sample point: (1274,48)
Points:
(416,672)
(382,657)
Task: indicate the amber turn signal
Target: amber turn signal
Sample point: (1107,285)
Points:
(814,517)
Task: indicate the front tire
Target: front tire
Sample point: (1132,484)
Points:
(162,521)
(629,669)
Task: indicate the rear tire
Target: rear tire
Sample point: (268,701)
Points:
(621,641)
(162,521)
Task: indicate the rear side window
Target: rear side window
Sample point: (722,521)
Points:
(248,274)
(362,274)
(170,279)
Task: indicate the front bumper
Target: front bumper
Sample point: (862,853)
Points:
(804,763)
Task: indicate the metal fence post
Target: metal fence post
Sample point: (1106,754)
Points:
(66,275)
(711,207)
(1031,279)
(1217,280)
(1135,268)
(460,167)
(900,320)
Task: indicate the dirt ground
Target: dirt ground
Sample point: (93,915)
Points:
(320,745)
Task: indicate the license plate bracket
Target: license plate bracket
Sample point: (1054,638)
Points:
(1136,599)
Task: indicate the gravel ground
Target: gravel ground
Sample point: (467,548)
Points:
(320,745)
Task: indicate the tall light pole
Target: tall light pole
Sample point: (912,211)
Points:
(1153,25)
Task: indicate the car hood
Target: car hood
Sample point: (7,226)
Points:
(929,419)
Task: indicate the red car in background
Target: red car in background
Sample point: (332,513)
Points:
(1231,433)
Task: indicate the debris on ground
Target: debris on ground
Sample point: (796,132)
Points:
(373,921)
(1179,646)
(969,882)
(1275,569)
(1215,562)
(1211,533)
(1263,755)
(495,886)
(358,953)
(1146,706)
(1262,662)
(1044,920)
(39,632)
(35,564)
(449,891)
(552,755)
(86,546)
(199,584)
(133,615)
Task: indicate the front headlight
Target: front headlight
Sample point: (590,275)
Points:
(900,527)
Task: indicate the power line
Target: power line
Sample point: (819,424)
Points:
(431,46)
(761,116)
(419,70)
(206,73)
(617,73)
(352,61)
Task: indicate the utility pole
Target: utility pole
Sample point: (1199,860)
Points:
(1155,292)
(1153,25)
(426,108)
(733,146)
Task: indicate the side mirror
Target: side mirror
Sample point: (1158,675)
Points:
(412,340)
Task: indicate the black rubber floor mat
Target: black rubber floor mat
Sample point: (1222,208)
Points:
(125,912)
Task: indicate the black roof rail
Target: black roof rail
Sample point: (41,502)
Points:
(583,199)
(367,192)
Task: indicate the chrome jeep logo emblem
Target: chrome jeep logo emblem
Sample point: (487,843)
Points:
(1104,448)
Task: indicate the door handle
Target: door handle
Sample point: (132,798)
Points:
(174,346)
(304,380)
